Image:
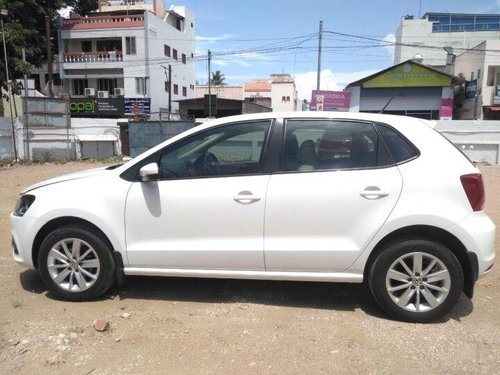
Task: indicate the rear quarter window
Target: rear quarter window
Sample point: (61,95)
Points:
(399,147)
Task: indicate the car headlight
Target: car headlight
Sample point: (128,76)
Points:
(23,204)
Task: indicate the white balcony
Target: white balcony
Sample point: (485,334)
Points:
(93,57)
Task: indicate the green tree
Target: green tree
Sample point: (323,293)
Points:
(217,78)
(83,7)
(24,27)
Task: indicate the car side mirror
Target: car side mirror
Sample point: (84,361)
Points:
(149,173)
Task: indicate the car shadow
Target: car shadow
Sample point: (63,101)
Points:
(317,295)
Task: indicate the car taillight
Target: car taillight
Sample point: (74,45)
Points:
(474,189)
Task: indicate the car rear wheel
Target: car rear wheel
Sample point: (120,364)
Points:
(416,280)
(75,264)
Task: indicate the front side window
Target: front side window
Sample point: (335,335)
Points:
(226,151)
(328,144)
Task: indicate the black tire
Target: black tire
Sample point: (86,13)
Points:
(399,298)
(86,273)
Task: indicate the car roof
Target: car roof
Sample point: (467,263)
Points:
(403,124)
(376,117)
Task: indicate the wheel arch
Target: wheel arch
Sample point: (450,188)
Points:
(64,221)
(468,260)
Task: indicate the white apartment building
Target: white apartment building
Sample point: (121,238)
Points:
(480,68)
(429,35)
(278,93)
(124,49)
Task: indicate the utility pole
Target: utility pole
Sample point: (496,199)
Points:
(318,78)
(49,55)
(168,76)
(169,90)
(25,107)
(4,13)
(209,86)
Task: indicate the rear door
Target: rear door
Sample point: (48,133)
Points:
(336,188)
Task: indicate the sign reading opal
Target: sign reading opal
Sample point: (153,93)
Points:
(90,107)
(85,106)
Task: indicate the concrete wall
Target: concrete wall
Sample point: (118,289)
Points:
(144,135)
(479,140)
(222,91)
(6,138)
(286,91)
(413,33)
(161,33)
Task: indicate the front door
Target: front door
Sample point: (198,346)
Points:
(207,209)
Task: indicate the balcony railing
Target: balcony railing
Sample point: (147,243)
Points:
(92,57)
(103,22)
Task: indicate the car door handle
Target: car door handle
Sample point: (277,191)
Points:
(246,197)
(373,192)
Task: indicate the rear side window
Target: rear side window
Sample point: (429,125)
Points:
(330,144)
(400,148)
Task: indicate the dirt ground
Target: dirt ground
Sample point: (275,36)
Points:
(194,326)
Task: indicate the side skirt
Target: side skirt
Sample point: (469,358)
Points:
(257,275)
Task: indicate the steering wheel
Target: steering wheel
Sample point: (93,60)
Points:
(210,163)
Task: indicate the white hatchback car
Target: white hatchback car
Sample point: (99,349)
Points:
(313,196)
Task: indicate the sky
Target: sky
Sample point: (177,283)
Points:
(250,40)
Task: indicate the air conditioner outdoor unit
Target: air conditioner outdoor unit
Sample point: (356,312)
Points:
(89,91)
(102,94)
(119,91)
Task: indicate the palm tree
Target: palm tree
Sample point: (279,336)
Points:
(217,78)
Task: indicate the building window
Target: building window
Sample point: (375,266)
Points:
(176,89)
(191,87)
(288,99)
(109,45)
(471,76)
(79,86)
(479,74)
(108,85)
(192,55)
(141,86)
(183,58)
(130,45)
(166,86)
(175,54)
(179,24)
(184,91)
(283,99)
(86,46)
(167,50)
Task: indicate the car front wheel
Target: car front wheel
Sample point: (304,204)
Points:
(416,280)
(75,264)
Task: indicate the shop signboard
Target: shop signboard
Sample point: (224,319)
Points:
(471,89)
(137,106)
(409,75)
(95,107)
(496,99)
(330,100)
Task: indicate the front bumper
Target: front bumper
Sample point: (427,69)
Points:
(23,232)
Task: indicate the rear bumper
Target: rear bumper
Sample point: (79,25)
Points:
(477,233)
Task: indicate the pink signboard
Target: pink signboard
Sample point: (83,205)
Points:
(330,100)
(446,110)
